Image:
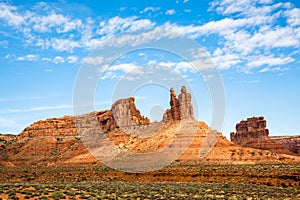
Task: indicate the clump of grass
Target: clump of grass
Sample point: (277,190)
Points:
(57,195)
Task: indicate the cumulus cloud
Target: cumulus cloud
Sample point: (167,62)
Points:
(246,30)
(10,15)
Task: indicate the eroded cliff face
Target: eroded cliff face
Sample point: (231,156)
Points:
(253,133)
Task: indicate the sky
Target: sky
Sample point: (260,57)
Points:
(252,46)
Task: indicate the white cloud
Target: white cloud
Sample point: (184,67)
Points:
(64,44)
(97,60)
(29,57)
(247,29)
(58,60)
(9,14)
(293,16)
(187,10)
(185,1)
(183,67)
(46,59)
(33,109)
(57,44)
(125,67)
(72,59)
(45,23)
(150,9)
(48,70)
(278,37)
(118,25)
(269,60)
(170,12)
(226,61)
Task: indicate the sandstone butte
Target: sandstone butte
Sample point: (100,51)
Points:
(253,133)
(59,141)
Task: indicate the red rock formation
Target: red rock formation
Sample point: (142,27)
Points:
(254,127)
(125,113)
(180,108)
(60,140)
(6,138)
(186,108)
(172,114)
(253,133)
(50,127)
(106,120)
(292,143)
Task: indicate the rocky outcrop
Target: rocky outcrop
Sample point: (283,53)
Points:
(125,113)
(181,107)
(172,114)
(254,127)
(186,108)
(291,143)
(50,127)
(253,133)
(6,139)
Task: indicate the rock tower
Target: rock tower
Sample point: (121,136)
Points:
(181,107)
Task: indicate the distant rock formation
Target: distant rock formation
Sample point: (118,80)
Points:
(181,107)
(253,133)
(292,143)
(254,127)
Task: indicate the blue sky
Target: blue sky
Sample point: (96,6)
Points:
(253,44)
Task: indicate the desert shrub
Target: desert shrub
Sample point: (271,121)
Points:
(57,195)
(45,192)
